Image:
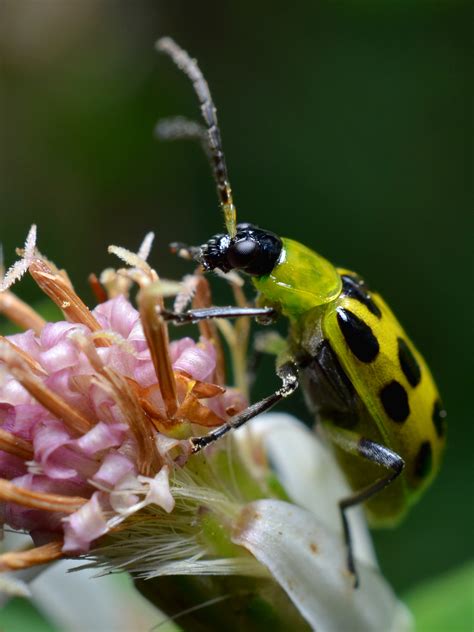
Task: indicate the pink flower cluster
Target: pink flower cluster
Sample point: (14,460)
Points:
(100,466)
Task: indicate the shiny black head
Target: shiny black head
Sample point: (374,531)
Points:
(252,250)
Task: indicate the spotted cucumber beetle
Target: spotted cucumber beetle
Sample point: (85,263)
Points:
(370,389)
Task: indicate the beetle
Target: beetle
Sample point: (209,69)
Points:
(370,389)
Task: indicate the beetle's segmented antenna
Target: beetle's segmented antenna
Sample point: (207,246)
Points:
(191,69)
(180,128)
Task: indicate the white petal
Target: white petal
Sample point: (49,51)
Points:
(124,495)
(159,491)
(309,562)
(11,586)
(75,602)
(309,473)
(16,584)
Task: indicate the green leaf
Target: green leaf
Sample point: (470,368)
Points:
(445,604)
(20,615)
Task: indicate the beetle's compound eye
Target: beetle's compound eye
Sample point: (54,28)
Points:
(254,250)
(241,253)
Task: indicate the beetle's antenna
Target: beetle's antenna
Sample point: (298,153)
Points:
(191,69)
(181,128)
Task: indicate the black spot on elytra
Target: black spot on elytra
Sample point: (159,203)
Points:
(354,287)
(423,460)
(394,399)
(358,335)
(410,366)
(439,418)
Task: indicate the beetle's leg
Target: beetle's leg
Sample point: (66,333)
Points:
(289,376)
(372,451)
(195,315)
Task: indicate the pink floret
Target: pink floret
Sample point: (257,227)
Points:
(85,525)
(197,361)
(117,315)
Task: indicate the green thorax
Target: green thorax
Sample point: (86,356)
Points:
(300,281)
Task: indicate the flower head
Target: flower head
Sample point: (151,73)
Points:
(93,406)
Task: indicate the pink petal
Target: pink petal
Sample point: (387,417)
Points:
(145,373)
(52,450)
(62,383)
(177,347)
(53,333)
(137,337)
(101,437)
(11,466)
(232,398)
(118,315)
(59,356)
(83,526)
(22,419)
(24,519)
(197,362)
(101,402)
(119,359)
(27,341)
(114,467)
(12,392)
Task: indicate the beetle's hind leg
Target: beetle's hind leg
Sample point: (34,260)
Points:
(289,377)
(374,452)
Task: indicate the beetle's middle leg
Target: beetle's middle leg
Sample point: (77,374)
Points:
(372,451)
(289,376)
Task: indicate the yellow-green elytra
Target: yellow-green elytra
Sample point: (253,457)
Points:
(394,398)
(371,391)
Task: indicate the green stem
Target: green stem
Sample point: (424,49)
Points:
(227,603)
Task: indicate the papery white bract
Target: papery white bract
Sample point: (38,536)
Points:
(301,544)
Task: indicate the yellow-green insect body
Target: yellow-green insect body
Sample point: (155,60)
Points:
(395,400)
(397,403)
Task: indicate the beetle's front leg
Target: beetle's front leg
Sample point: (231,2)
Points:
(366,448)
(289,376)
(206,313)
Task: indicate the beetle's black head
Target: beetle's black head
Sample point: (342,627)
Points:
(252,250)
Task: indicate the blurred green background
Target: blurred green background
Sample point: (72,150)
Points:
(346,126)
